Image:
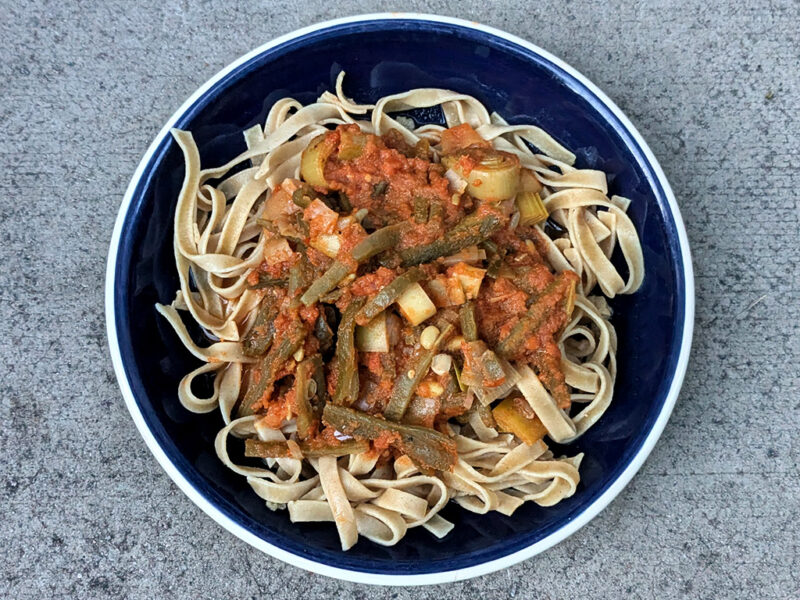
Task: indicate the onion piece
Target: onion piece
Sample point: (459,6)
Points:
(469,255)
(470,279)
(489,395)
(457,182)
(373,337)
(328,244)
(415,305)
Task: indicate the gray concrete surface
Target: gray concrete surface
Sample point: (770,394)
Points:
(86,510)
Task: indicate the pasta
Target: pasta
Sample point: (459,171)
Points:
(467,266)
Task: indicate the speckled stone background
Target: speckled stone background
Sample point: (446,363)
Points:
(86,510)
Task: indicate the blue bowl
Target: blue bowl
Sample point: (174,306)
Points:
(386,54)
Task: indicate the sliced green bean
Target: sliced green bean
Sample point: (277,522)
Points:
(301,226)
(260,449)
(305,413)
(548,369)
(344,203)
(303,196)
(265,281)
(495,258)
(470,231)
(270,365)
(325,283)
(346,359)
(323,331)
(436,211)
(428,448)
(529,323)
(388,294)
(379,189)
(343,448)
(332,297)
(319,399)
(407,382)
(260,336)
(421,208)
(378,241)
(301,274)
(469,328)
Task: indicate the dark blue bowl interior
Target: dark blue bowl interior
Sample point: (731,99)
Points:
(385,57)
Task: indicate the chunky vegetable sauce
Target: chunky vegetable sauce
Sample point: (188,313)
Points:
(399,289)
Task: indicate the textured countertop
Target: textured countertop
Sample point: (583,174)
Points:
(86,510)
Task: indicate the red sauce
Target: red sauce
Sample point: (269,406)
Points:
(280,410)
(384,441)
(372,283)
(385,181)
(499,306)
(351,236)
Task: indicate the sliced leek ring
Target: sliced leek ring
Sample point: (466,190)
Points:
(312,162)
(494,177)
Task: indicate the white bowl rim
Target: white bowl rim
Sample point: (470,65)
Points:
(443,576)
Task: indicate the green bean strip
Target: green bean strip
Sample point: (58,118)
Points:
(318,375)
(406,384)
(346,364)
(260,336)
(325,283)
(379,189)
(378,241)
(420,209)
(436,211)
(323,332)
(469,329)
(536,314)
(300,274)
(428,448)
(495,258)
(302,197)
(301,226)
(260,449)
(470,231)
(344,203)
(388,294)
(265,281)
(271,364)
(305,413)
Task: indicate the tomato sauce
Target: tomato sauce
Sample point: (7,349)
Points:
(385,182)
(372,283)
